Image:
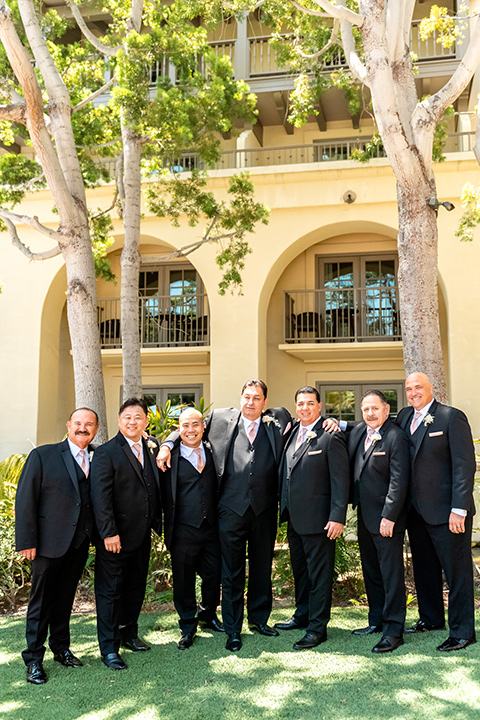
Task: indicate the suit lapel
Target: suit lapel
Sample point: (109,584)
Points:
(300,452)
(70,465)
(130,456)
(230,429)
(271,436)
(419,434)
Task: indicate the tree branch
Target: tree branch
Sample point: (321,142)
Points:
(357,67)
(436,104)
(191,247)
(334,40)
(109,209)
(45,255)
(16,112)
(340,12)
(111,52)
(308,11)
(101,145)
(7,215)
(94,95)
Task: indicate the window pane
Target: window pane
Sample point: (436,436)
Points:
(392,399)
(340,404)
(148,283)
(151,400)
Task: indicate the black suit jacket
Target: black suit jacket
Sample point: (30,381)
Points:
(318,484)
(381,479)
(442,461)
(119,494)
(220,428)
(47,503)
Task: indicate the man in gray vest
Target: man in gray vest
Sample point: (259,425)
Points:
(247,446)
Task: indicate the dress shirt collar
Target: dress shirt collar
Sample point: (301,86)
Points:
(248,422)
(424,411)
(75,450)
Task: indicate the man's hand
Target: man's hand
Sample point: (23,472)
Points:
(333,529)
(163,457)
(386,527)
(331,425)
(29,554)
(113,544)
(456,523)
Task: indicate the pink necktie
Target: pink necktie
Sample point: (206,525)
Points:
(414,424)
(200,460)
(301,434)
(138,452)
(252,432)
(84,464)
(368,439)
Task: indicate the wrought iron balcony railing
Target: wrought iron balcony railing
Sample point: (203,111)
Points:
(342,315)
(165,321)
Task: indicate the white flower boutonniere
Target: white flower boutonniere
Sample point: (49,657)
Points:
(90,456)
(151,445)
(428,419)
(207,445)
(310,435)
(270,419)
(376,437)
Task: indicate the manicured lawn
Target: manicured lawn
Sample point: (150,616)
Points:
(340,680)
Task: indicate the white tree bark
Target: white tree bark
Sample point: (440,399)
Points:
(406,127)
(61,168)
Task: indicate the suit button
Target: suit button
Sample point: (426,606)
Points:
(78,505)
(74,524)
(145,516)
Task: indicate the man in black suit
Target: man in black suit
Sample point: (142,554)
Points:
(379,453)
(246,446)
(314,485)
(54,526)
(439,521)
(126,501)
(189,500)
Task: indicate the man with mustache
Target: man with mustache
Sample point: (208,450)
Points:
(54,527)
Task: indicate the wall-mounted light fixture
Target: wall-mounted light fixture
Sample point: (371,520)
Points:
(435,203)
(349,197)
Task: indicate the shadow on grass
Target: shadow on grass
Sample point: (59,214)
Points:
(339,680)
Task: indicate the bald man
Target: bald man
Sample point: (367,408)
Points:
(439,520)
(189,498)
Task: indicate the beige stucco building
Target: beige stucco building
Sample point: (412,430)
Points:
(320,298)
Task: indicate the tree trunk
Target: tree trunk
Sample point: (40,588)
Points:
(418,287)
(130,264)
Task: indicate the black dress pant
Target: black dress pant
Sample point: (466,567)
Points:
(313,561)
(120,581)
(383,572)
(54,583)
(236,532)
(195,550)
(435,548)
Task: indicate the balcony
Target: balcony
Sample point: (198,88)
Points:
(165,321)
(342,315)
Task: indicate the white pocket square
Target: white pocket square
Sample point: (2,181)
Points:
(435,434)
(287,428)
(379,453)
(314,452)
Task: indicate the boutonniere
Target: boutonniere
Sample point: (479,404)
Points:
(269,419)
(90,456)
(207,444)
(310,435)
(151,445)
(428,419)
(376,437)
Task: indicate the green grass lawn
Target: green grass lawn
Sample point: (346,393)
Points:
(340,680)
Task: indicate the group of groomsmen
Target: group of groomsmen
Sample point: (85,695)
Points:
(219,488)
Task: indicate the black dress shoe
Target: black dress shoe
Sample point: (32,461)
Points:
(36,674)
(234,642)
(309,640)
(369,630)
(186,640)
(421,626)
(292,624)
(213,624)
(453,643)
(67,659)
(263,629)
(388,643)
(114,661)
(136,645)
